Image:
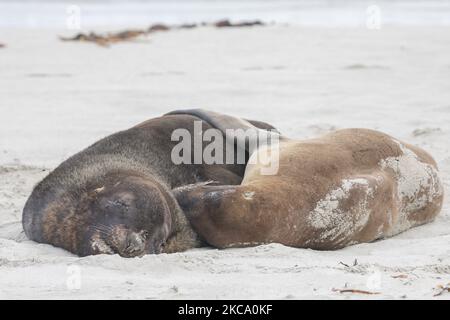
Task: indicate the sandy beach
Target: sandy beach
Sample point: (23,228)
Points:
(59,97)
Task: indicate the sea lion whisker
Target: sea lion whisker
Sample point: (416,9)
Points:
(107,232)
(99,225)
(101,230)
(104,227)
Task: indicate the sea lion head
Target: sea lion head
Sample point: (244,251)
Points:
(130,216)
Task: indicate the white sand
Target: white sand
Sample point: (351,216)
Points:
(56,98)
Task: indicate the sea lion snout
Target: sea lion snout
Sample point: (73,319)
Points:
(122,213)
(133,216)
(128,243)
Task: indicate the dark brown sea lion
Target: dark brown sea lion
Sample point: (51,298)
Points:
(347,187)
(115,196)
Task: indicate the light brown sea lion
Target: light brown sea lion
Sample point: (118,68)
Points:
(116,195)
(349,186)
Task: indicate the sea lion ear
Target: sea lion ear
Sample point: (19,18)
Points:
(94,193)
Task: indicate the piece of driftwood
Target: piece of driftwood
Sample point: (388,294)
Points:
(344,264)
(354,291)
(106,39)
(441,289)
(400,276)
(355,263)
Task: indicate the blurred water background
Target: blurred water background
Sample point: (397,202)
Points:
(141,13)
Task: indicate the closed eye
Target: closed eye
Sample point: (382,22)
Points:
(119,203)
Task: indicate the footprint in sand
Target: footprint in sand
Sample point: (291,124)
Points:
(261,68)
(359,66)
(425,131)
(49,75)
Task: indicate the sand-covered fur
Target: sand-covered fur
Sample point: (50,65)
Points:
(347,187)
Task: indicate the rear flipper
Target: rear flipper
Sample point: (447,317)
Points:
(246,134)
(223,121)
(238,155)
